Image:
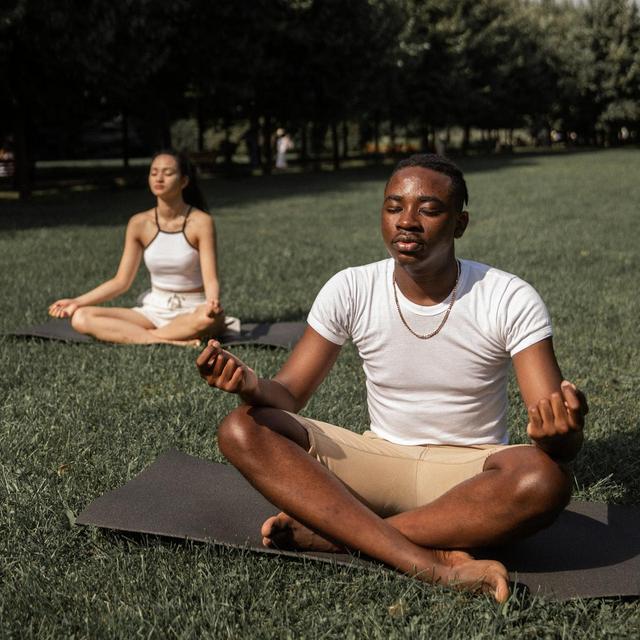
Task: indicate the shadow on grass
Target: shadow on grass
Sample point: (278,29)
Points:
(611,463)
(113,207)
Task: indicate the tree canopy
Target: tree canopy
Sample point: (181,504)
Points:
(424,64)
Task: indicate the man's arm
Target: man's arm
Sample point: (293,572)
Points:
(555,407)
(290,389)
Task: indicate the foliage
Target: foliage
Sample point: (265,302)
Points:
(490,64)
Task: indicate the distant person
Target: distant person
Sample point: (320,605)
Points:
(283,144)
(435,476)
(177,240)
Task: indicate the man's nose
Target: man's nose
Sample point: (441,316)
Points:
(408,219)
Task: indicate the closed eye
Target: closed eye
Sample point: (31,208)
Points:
(430,212)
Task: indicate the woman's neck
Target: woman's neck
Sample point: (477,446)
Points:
(168,209)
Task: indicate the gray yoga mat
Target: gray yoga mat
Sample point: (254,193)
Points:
(276,334)
(592,550)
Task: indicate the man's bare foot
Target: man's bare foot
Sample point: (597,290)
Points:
(283,532)
(456,569)
(460,570)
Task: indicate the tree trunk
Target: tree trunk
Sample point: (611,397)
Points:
(304,145)
(465,139)
(200,124)
(228,147)
(424,142)
(392,136)
(266,146)
(255,152)
(345,139)
(23,167)
(318,135)
(376,133)
(335,146)
(124,132)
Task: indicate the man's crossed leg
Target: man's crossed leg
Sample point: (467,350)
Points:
(517,491)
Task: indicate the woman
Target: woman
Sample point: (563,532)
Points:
(178,242)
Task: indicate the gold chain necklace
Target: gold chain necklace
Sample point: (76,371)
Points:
(446,315)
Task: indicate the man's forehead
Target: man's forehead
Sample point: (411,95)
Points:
(419,179)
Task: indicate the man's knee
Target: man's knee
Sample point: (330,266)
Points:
(236,431)
(246,429)
(538,486)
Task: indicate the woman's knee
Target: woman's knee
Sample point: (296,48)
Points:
(80,320)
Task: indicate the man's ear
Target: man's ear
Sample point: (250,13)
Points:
(461,224)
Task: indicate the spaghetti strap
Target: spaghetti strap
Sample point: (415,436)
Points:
(186,216)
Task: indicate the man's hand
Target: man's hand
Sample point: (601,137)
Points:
(556,423)
(224,371)
(64,308)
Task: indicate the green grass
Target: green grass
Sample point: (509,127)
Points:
(78,420)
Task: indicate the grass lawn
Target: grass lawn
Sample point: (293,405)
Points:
(78,420)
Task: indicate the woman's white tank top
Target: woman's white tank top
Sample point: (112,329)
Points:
(173,262)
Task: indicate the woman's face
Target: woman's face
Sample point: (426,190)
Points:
(165,179)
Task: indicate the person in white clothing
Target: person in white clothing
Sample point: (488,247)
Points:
(177,240)
(434,475)
(283,145)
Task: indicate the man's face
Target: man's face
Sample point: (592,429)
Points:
(419,218)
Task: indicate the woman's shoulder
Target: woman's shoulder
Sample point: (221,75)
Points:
(200,220)
(142,225)
(142,219)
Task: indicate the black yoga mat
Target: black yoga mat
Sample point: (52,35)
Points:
(276,334)
(592,550)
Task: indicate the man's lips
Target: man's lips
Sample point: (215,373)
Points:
(406,243)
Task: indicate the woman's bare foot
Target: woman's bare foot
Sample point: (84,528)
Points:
(191,342)
(194,343)
(283,532)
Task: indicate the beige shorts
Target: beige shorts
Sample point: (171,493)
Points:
(161,307)
(391,478)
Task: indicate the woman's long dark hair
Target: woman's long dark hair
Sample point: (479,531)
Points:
(191,194)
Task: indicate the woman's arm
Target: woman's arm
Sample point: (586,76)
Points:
(121,282)
(205,234)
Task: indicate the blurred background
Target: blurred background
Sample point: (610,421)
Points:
(91,88)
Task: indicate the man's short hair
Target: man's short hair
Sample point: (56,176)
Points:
(441,165)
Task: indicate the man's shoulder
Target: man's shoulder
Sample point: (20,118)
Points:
(487,275)
(365,274)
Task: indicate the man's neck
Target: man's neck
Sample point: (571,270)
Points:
(427,287)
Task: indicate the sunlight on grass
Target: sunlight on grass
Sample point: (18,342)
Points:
(78,420)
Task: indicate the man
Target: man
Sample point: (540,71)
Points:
(436,336)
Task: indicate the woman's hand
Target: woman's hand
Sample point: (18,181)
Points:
(224,371)
(64,308)
(214,308)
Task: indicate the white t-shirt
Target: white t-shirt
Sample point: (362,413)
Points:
(452,388)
